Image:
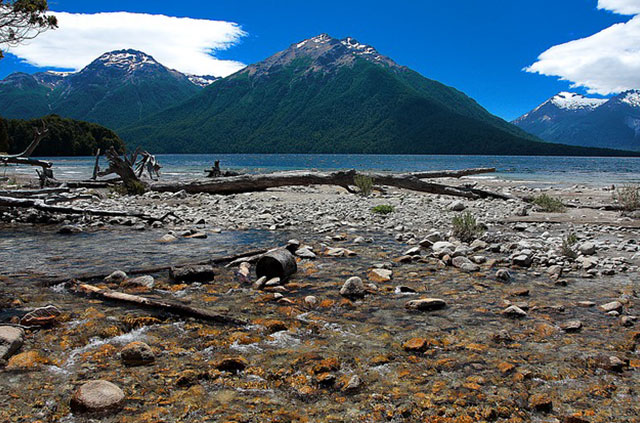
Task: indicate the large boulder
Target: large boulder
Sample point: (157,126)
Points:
(43,316)
(353,287)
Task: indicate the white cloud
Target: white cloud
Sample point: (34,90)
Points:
(622,7)
(185,44)
(605,63)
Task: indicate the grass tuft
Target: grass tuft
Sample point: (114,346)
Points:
(466,228)
(549,204)
(383,209)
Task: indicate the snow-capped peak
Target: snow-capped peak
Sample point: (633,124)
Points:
(574,101)
(129,60)
(60,74)
(632,98)
(202,80)
(353,44)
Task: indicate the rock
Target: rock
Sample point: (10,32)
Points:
(259,284)
(457,206)
(310,301)
(522,260)
(232,364)
(25,361)
(612,306)
(195,273)
(70,229)
(273,282)
(380,275)
(116,277)
(521,211)
(197,235)
(571,326)
(137,354)
(503,275)
(167,238)
(465,264)
(611,363)
(146,281)
(416,345)
(628,320)
(43,316)
(478,245)
(353,384)
(305,253)
(540,402)
(11,339)
(414,251)
(353,287)
(587,249)
(555,270)
(514,311)
(425,304)
(442,245)
(98,396)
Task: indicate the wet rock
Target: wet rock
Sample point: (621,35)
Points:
(612,306)
(260,282)
(70,229)
(414,251)
(571,326)
(503,275)
(116,277)
(465,264)
(310,301)
(232,364)
(195,273)
(272,282)
(137,354)
(29,360)
(478,245)
(416,345)
(98,396)
(426,304)
(522,260)
(306,253)
(167,238)
(628,320)
(514,312)
(11,339)
(401,289)
(353,384)
(541,403)
(502,336)
(587,249)
(145,281)
(442,245)
(611,363)
(380,275)
(43,316)
(353,287)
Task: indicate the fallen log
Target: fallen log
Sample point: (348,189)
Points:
(453,173)
(26,193)
(157,304)
(25,161)
(252,183)
(43,206)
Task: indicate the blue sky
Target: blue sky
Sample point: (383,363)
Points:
(478,47)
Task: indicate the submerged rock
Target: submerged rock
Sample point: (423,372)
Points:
(426,304)
(353,287)
(98,396)
(196,273)
(137,354)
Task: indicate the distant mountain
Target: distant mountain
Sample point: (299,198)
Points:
(325,95)
(115,90)
(592,122)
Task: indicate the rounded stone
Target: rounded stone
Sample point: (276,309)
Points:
(137,354)
(97,396)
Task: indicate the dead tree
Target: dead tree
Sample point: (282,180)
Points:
(24,157)
(124,168)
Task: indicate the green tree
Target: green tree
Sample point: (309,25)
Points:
(4,136)
(22,20)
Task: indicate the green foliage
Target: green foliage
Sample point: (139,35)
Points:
(364,184)
(132,188)
(364,108)
(23,20)
(383,209)
(628,197)
(567,245)
(466,228)
(549,204)
(65,137)
(4,136)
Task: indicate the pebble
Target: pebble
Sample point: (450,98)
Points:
(514,311)
(571,326)
(612,306)
(426,304)
(464,264)
(116,277)
(503,275)
(146,281)
(11,339)
(98,396)
(380,275)
(137,354)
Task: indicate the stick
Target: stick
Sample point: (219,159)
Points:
(162,305)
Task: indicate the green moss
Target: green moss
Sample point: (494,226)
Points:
(549,204)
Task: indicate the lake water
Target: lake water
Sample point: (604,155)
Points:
(588,170)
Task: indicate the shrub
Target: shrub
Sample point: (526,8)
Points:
(364,184)
(628,197)
(466,228)
(132,188)
(383,209)
(550,204)
(567,245)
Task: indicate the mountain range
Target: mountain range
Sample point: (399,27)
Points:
(116,89)
(574,119)
(320,95)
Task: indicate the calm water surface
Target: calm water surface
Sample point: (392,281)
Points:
(589,170)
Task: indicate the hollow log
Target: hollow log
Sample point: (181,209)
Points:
(277,264)
(159,305)
(252,183)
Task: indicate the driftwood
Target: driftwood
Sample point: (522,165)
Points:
(41,205)
(24,157)
(32,192)
(453,173)
(251,183)
(604,207)
(123,168)
(158,304)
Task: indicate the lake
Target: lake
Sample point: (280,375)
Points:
(587,170)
